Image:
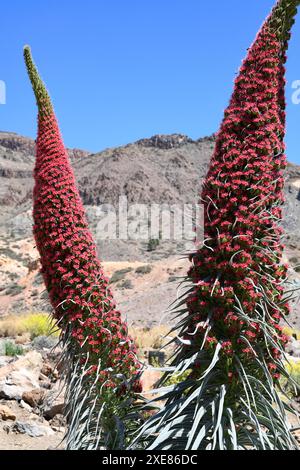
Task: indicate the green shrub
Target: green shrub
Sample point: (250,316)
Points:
(178,378)
(126,284)
(152,244)
(12,349)
(146,269)
(14,289)
(119,275)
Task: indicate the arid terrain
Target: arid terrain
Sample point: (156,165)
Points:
(165,170)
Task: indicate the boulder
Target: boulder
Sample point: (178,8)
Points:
(23,339)
(58,423)
(6,413)
(20,376)
(4,361)
(34,397)
(42,343)
(25,406)
(31,429)
(54,403)
(49,371)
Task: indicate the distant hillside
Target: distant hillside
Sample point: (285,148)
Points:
(164,169)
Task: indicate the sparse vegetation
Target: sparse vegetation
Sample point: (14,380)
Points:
(9,253)
(152,244)
(157,358)
(39,324)
(177,378)
(119,275)
(12,349)
(35,324)
(14,289)
(145,269)
(126,284)
(150,338)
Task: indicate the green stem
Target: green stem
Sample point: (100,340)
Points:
(42,96)
(282,19)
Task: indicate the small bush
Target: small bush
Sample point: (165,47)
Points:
(146,338)
(12,349)
(13,276)
(36,324)
(11,254)
(14,289)
(177,378)
(120,275)
(152,244)
(156,358)
(126,284)
(146,269)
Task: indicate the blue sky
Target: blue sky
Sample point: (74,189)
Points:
(121,70)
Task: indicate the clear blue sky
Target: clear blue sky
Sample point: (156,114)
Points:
(120,70)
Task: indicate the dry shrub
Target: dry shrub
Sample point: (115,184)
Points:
(35,324)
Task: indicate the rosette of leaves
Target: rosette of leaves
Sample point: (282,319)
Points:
(102,369)
(230,347)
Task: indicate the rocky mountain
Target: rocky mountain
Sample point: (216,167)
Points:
(164,169)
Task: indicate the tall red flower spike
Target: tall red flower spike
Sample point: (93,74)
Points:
(232,344)
(101,357)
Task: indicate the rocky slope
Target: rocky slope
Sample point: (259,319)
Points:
(164,170)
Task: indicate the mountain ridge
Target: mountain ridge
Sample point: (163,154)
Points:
(162,169)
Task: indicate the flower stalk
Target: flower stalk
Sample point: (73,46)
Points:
(102,368)
(231,350)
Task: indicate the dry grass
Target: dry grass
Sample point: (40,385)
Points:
(291,332)
(146,338)
(35,324)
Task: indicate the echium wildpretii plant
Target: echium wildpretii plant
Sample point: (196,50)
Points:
(231,351)
(100,357)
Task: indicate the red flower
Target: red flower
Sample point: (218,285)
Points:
(78,290)
(242,194)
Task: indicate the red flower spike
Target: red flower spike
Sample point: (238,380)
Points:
(78,290)
(231,402)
